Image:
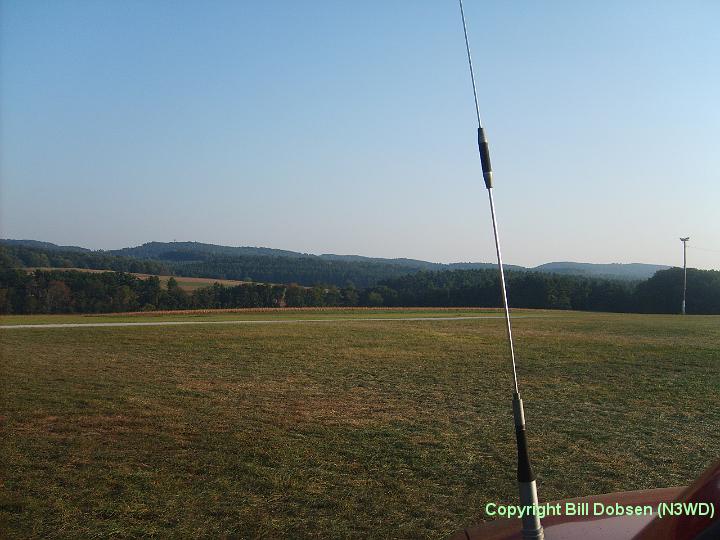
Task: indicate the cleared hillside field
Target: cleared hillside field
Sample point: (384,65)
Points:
(188,284)
(349,428)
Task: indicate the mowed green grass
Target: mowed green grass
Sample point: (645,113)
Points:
(352,429)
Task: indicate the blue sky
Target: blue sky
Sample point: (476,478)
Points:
(348,127)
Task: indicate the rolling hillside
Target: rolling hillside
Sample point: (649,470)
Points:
(199,260)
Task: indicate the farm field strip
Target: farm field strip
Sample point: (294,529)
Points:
(257,314)
(257,321)
(188,284)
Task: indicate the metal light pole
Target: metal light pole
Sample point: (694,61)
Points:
(684,241)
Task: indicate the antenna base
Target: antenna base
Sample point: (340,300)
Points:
(531,526)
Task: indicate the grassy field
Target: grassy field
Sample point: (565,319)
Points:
(351,429)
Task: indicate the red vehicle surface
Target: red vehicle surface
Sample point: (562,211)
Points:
(705,489)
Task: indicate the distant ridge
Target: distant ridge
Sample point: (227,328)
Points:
(176,251)
(616,270)
(160,250)
(201,253)
(42,245)
(415,263)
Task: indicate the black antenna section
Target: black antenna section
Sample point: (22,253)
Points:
(531,527)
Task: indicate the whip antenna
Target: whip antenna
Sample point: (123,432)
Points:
(531,527)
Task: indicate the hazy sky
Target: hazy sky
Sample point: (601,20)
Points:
(348,127)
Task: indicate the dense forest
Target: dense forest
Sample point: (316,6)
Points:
(662,293)
(194,259)
(306,271)
(63,291)
(21,256)
(27,286)
(525,289)
(58,291)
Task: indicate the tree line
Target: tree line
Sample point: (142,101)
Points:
(72,291)
(274,269)
(57,291)
(307,271)
(662,293)
(19,256)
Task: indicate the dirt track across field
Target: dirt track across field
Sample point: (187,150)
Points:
(266,321)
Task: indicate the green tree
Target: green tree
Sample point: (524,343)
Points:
(58,297)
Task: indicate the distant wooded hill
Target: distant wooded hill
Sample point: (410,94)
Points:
(195,259)
(196,251)
(330,280)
